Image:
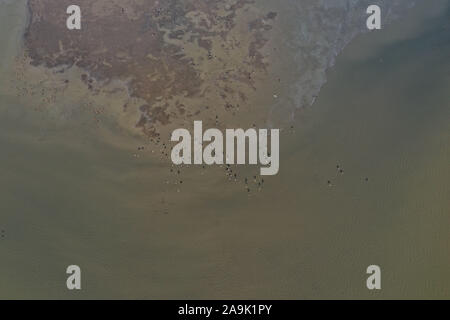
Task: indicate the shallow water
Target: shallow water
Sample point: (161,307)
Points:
(73,193)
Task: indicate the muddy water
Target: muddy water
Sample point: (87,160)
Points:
(73,192)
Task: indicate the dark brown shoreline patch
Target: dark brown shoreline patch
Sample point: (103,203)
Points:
(163,50)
